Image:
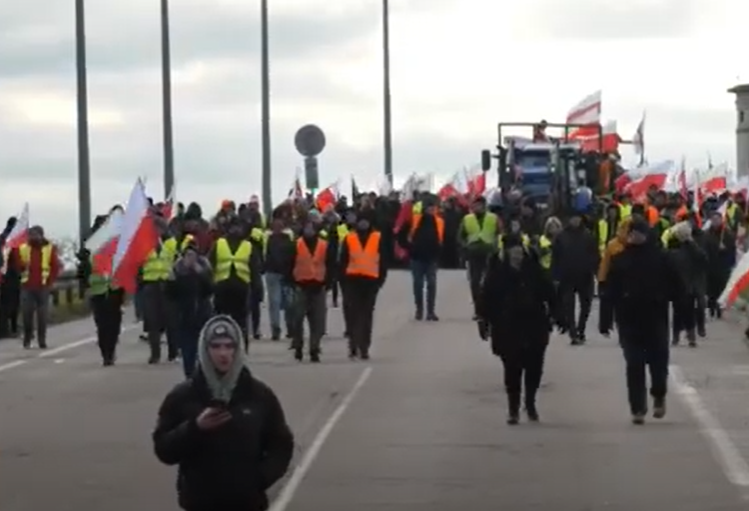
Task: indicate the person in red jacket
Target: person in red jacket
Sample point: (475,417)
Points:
(38,263)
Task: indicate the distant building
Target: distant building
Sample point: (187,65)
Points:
(742,128)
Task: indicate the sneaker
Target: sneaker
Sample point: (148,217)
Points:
(638,419)
(659,407)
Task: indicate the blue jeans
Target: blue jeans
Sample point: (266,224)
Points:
(424,273)
(277,299)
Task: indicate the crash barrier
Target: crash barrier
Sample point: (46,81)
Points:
(67,299)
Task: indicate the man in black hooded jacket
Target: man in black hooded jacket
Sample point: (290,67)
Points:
(641,283)
(225,429)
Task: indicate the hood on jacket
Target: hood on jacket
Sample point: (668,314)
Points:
(221,386)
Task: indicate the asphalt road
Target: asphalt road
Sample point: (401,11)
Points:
(421,426)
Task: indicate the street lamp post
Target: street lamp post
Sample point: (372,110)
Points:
(166,91)
(84,164)
(387,114)
(265,86)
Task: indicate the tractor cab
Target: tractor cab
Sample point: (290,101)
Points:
(550,170)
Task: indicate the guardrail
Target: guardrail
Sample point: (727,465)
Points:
(68,290)
(68,300)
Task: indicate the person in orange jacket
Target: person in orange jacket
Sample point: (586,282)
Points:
(613,248)
(39,266)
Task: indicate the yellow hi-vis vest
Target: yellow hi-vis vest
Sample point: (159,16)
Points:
(625,211)
(524,237)
(159,263)
(486,233)
(544,245)
(239,260)
(24,252)
(603,234)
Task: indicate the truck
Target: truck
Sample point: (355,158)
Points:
(550,170)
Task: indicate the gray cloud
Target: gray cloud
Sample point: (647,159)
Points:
(123,40)
(596,19)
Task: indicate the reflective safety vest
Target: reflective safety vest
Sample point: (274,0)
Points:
(416,221)
(98,284)
(544,244)
(342,232)
(417,208)
(364,261)
(256,234)
(158,265)
(476,233)
(24,252)
(310,267)
(186,241)
(625,211)
(239,260)
(603,234)
(524,237)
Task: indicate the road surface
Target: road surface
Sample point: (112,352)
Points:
(419,427)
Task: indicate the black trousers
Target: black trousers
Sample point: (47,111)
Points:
(523,369)
(689,314)
(583,291)
(10,308)
(476,269)
(234,302)
(643,353)
(107,312)
(359,300)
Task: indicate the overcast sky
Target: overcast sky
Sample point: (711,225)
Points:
(458,68)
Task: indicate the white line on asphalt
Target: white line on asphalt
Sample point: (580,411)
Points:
(286,495)
(59,349)
(12,365)
(727,454)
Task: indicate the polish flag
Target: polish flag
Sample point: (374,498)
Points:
(20,233)
(138,237)
(327,197)
(656,175)
(587,111)
(455,187)
(102,244)
(476,180)
(715,181)
(738,283)
(591,141)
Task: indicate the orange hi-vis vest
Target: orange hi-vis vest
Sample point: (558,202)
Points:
(310,267)
(363,261)
(416,221)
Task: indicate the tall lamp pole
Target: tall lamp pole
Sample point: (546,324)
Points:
(387,114)
(84,163)
(265,86)
(166,91)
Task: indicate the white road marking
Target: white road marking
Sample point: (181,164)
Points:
(12,365)
(725,451)
(59,349)
(286,495)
